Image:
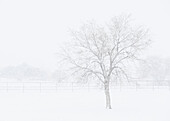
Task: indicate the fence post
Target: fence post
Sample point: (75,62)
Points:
(88,86)
(40,87)
(153,85)
(7,86)
(56,86)
(72,86)
(23,87)
(136,86)
(120,86)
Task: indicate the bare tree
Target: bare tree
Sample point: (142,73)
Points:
(102,52)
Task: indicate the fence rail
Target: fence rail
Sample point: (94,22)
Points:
(72,86)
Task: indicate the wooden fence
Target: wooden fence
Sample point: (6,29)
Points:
(42,86)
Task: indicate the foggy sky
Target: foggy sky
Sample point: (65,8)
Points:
(32,31)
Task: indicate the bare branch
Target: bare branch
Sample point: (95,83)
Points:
(103,51)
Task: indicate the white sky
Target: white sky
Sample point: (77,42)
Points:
(31,31)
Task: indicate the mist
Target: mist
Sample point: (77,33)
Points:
(34,31)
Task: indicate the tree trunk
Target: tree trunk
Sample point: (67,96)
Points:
(107,93)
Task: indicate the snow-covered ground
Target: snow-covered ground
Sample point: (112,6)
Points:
(127,105)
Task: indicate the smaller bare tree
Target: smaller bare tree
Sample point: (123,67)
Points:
(103,52)
(155,68)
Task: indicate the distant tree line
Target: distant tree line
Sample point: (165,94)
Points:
(26,72)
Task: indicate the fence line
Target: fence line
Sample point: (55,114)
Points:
(72,86)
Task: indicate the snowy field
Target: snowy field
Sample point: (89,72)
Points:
(127,105)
